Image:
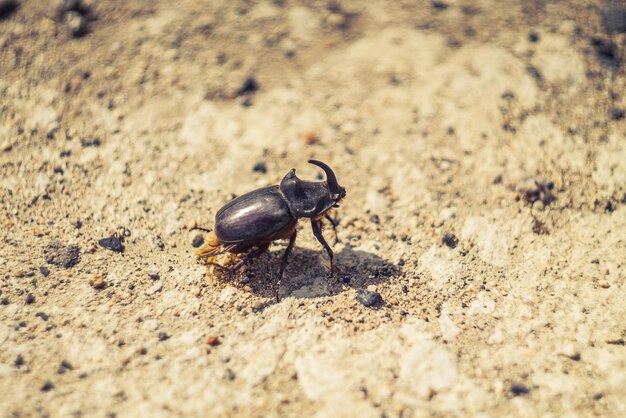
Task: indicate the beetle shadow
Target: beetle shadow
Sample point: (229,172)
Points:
(308,273)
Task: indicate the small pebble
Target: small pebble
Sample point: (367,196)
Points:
(76,24)
(113,243)
(450,240)
(42,315)
(47,386)
(7,7)
(249,85)
(518,389)
(614,18)
(4,301)
(159,243)
(368,298)
(19,361)
(603,284)
(260,167)
(154,289)
(310,137)
(97,282)
(213,340)
(617,114)
(44,271)
(154,275)
(163,336)
(30,298)
(64,367)
(197,241)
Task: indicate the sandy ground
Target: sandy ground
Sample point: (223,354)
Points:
(482,144)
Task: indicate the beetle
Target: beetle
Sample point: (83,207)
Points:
(249,223)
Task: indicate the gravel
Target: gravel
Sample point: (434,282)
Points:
(59,254)
(368,298)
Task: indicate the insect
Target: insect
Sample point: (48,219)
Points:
(248,224)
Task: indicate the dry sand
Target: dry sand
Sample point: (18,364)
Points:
(483,146)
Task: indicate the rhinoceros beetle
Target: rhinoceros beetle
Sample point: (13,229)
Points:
(249,223)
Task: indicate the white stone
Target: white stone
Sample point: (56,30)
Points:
(229,294)
(491,237)
(482,305)
(442,264)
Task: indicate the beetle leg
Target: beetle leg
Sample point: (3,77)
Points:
(283,263)
(317,231)
(252,254)
(334,225)
(209,256)
(199,228)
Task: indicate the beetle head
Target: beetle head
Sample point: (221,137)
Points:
(308,199)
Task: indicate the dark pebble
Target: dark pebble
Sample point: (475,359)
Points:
(260,167)
(42,315)
(4,301)
(367,298)
(95,142)
(517,389)
(142,351)
(113,243)
(598,396)
(606,52)
(77,223)
(19,361)
(163,336)
(614,19)
(375,219)
(58,170)
(154,275)
(64,367)
(249,85)
(439,5)
(197,241)
(7,7)
(405,289)
(159,242)
(533,37)
(617,114)
(44,271)
(30,298)
(47,386)
(59,254)
(535,73)
(450,240)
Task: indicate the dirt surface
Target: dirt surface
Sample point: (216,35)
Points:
(482,144)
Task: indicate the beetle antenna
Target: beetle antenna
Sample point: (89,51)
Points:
(330,177)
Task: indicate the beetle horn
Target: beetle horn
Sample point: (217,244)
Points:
(330,177)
